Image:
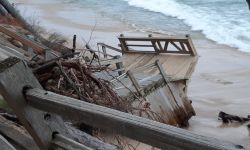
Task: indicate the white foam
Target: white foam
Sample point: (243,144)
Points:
(227,29)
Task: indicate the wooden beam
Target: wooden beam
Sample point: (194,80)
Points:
(153,38)
(17,134)
(30,43)
(110,47)
(15,77)
(135,83)
(5,145)
(108,61)
(148,131)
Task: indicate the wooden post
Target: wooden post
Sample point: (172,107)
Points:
(119,65)
(74,44)
(144,130)
(190,46)
(15,78)
(135,83)
(162,72)
(104,51)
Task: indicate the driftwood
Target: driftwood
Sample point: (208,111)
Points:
(227,118)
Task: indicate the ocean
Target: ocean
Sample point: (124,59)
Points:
(224,21)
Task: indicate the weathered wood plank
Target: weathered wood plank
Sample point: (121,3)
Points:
(15,76)
(68,144)
(5,145)
(135,83)
(108,61)
(110,47)
(153,38)
(141,129)
(89,140)
(35,46)
(17,134)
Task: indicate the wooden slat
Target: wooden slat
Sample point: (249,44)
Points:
(153,52)
(35,46)
(153,38)
(110,47)
(151,132)
(108,61)
(15,75)
(5,145)
(176,46)
(135,83)
(140,45)
(17,134)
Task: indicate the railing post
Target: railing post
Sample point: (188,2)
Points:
(74,44)
(190,46)
(119,65)
(15,78)
(104,51)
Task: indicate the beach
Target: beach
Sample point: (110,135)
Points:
(220,81)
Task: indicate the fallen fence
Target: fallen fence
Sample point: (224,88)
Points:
(37,109)
(159,44)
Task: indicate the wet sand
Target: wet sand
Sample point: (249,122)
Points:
(220,81)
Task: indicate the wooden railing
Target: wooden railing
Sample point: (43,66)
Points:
(157,45)
(37,109)
(104,48)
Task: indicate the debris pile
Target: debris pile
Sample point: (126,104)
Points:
(74,78)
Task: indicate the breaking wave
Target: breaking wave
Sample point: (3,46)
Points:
(224,21)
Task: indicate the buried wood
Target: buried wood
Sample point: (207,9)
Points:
(141,129)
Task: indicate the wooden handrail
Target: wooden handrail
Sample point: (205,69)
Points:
(37,109)
(148,131)
(159,45)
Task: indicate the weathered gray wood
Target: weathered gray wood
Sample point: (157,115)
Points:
(14,77)
(155,42)
(28,42)
(68,144)
(135,83)
(141,129)
(110,47)
(5,145)
(108,61)
(119,65)
(89,140)
(17,134)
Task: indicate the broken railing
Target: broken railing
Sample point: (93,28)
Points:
(159,45)
(40,112)
(104,47)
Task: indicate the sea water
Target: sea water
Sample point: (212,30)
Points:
(224,21)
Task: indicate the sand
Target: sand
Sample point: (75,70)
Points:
(220,81)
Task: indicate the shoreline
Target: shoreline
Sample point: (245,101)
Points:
(219,83)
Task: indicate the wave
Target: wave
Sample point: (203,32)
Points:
(223,24)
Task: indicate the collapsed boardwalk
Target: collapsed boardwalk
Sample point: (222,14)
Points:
(36,109)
